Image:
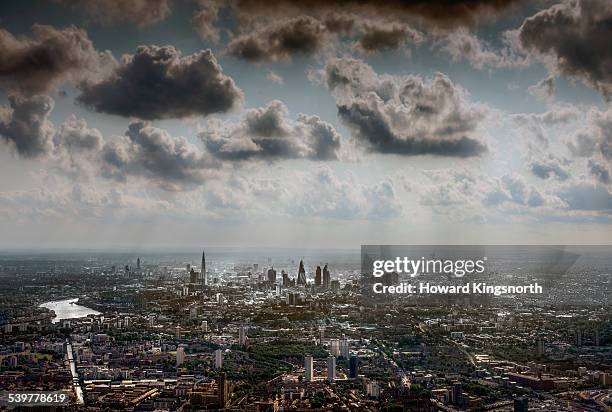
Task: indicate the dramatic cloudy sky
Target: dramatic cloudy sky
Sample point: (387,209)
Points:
(305,123)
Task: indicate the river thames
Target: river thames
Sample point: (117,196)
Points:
(68,309)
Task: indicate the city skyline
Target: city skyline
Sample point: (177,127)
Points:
(125,330)
(278,125)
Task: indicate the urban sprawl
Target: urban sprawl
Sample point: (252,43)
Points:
(179,333)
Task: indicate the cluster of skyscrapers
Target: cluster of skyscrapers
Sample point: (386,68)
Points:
(322,277)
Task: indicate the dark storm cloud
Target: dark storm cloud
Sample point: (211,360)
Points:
(381,35)
(73,148)
(140,12)
(46,60)
(445,13)
(404,115)
(149,152)
(279,41)
(277,29)
(25,125)
(340,23)
(573,38)
(183,86)
(267,133)
(371,127)
(307,35)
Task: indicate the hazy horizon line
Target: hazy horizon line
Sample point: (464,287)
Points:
(189,249)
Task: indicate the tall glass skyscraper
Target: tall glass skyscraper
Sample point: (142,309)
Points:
(203,275)
(301,279)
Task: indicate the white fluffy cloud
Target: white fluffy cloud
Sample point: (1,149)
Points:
(328,196)
(318,194)
(267,133)
(543,90)
(25,126)
(594,143)
(148,152)
(404,115)
(462,44)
